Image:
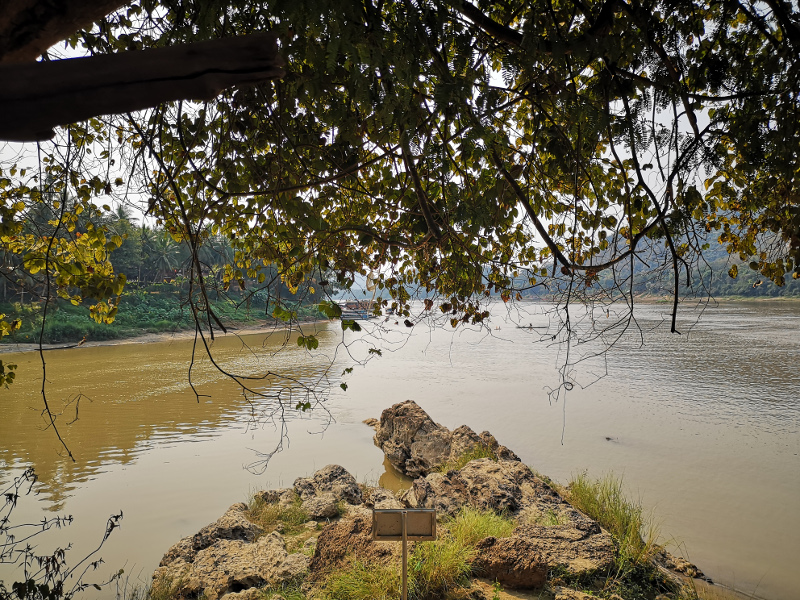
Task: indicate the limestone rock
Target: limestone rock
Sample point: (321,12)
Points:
(371,423)
(463,441)
(324,506)
(496,485)
(483,484)
(233,525)
(512,561)
(334,479)
(445,493)
(381,498)
(283,496)
(581,547)
(676,564)
(410,439)
(417,446)
(233,565)
(344,538)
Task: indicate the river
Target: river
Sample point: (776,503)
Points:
(703,426)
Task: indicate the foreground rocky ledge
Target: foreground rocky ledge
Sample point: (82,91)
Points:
(233,558)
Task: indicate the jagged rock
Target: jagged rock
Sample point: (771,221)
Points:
(581,547)
(334,479)
(381,498)
(410,439)
(371,422)
(464,440)
(496,485)
(417,446)
(512,561)
(676,564)
(232,566)
(445,493)
(284,496)
(233,525)
(483,484)
(344,538)
(324,506)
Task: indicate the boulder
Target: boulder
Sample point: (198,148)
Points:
(463,441)
(445,493)
(333,479)
(580,547)
(233,525)
(381,498)
(284,496)
(512,561)
(416,446)
(411,441)
(232,566)
(342,539)
(482,483)
(324,506)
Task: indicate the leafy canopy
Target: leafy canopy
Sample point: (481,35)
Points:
(464,148)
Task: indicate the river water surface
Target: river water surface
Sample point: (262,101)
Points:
(702,426)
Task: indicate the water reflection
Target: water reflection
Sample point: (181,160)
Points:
(114,403)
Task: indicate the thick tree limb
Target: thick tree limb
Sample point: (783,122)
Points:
(29,27)
(36,97)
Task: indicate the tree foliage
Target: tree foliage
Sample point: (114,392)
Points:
(464,149)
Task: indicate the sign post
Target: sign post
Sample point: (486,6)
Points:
(402,525)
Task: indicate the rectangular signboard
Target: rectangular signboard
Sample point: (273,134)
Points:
(387,524)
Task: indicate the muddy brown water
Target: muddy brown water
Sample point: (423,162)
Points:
(703,426)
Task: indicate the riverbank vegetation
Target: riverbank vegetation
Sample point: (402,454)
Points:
(156,296)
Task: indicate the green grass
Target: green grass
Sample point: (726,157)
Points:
(471,525)
(604,501)
(476,452)
(363,581)
(267,516)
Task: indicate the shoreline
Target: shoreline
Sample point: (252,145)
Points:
(148,338)
(267,327)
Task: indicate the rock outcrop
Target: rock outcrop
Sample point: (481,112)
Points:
(232,557)
(232,566)
(416,446)
(514,562)
(332,479)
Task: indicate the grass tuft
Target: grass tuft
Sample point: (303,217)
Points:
(604,501)
(363,581)
(268,516)
(476,452)
(470,525)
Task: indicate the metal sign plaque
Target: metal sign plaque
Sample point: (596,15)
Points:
(387,524)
